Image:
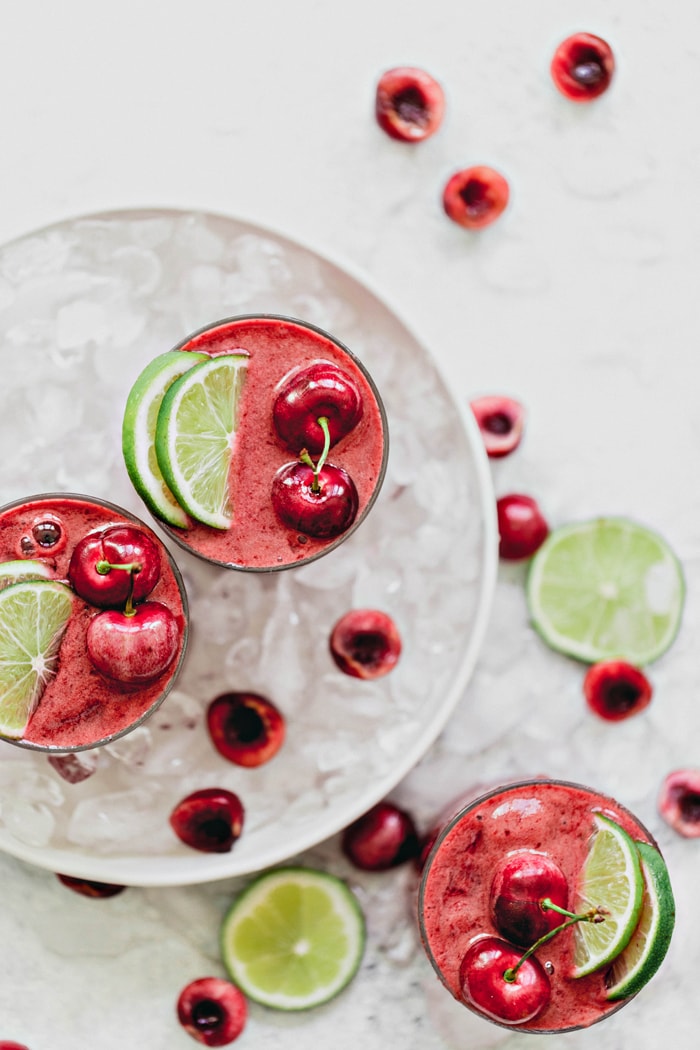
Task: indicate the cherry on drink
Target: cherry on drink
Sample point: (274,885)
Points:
(111,565)
(321,390)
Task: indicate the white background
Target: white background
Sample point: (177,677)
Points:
(581,301)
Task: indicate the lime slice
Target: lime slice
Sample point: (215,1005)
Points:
(611,879)
(645,952)
(195,434)
(139,429)
(606,588)
(294,938)
(33,617)
(16,571)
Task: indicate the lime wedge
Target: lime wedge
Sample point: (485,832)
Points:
(611,879)
(606,588)
(139,431)
(33,617)
(293,939)
(644,954)
(16,571)
(195,434)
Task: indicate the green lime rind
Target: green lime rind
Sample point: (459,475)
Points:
(33,617)
(612,879)
(643,956)
(606,588)
(294,938)
(20,570)
(195,435)
(139,428)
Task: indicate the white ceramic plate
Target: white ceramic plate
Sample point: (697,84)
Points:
(84,305)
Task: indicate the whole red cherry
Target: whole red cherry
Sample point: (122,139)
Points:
(104,563)
(320,390)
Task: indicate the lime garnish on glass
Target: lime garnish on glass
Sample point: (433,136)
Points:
(294,938)
(606,588)
(642,957)
(33,616)
(139,431)
(611,880)
(23,569)
(195,435)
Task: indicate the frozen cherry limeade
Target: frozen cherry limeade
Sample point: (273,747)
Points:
(545,906)
(259,442)
(93,622)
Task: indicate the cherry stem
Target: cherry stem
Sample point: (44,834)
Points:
(593,915)
(129,609)
(103,566)
(306,459)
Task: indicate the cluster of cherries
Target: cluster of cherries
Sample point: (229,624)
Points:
(248,730)
(131,640)
(529,898)
(410,105)
(614,689)
(314,408)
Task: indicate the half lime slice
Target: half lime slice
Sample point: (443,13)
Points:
(195,437)
(642,957)
(606,588)
(139,431)
(294,938)
(33,617)
(17,571)
(611,879)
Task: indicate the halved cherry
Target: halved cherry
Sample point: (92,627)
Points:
(90,887)
(409,104)
(475,197)
(210,820)
(365,643)
(615,690)
(246,728)
(212,1010)
(582,67)
(501,421)
(679,802)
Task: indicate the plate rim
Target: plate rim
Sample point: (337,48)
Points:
(189,870)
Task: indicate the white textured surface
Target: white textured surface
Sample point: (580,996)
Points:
(582,302)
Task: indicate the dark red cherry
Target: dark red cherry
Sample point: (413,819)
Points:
(501,421)
(321,389)
(409,104)
(679,802)
(525,880)
(247,729)
(582,67)
(135,646)
(213,1011)
(475,197)
(321,504)
(381,839)
(90,887)
(522,528)
(365,643)
(615,690)
(484,985)
(210,820)
(103,563)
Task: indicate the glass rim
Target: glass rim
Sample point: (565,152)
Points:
(174,669)
(174,534)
